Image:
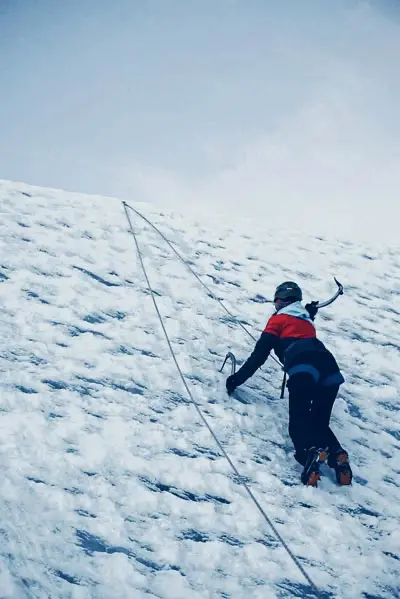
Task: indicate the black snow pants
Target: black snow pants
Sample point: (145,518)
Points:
(314,381)
(310,407)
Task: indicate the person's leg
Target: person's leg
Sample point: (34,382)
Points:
(301,388)
(321,411)
(320,416)
(312,381)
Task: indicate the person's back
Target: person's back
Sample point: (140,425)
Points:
(313,383)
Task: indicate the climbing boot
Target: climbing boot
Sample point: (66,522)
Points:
(311,474)
(344,475)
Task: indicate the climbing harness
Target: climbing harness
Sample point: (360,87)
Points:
(230,356)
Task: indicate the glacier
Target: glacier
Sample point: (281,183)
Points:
(112,486)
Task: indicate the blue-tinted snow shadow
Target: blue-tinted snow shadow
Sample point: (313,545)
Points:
(67,577)
(3,275)
(92,544)
(39,481)
(76,331)
(173,399)
(87,386)
(196,452)
(305,591)
(27,390)
(21,238)
(33,295)
(214,246)
(259,299)
(220,265)
(97,278)
(85,514)
(159,487)
(220,281)
(131,350)
(394,593)
(35,480)
(203,537)
(101,317)
(15,355)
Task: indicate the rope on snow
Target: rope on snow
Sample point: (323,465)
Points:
(240,478)
(212,294)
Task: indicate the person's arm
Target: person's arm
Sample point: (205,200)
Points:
(262,349)
(256,359)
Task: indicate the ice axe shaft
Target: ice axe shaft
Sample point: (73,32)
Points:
(335,296)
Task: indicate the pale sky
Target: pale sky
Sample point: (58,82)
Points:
(285,110)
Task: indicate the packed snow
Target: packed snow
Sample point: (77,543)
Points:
(112,487)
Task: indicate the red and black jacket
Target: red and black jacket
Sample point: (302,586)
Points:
(289,332)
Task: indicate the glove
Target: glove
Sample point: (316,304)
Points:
(312,309)
(230,384)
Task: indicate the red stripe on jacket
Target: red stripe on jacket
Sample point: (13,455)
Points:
(285,325)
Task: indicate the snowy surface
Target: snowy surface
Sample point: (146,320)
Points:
(112,487)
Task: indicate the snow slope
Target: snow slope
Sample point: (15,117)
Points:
(112,487)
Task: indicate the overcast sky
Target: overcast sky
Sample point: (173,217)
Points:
(285,110)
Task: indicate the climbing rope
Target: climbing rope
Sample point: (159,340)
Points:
(201,415)
(194,274)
